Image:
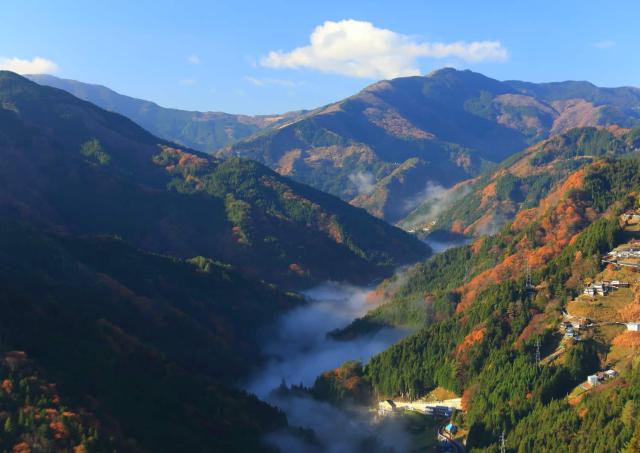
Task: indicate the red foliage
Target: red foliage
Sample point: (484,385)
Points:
(7,386)
(467,396)
(475,336)
(375,297)
(457,227)
(627,338)
(59,430)
(297,269)
(477,244)
(21,447)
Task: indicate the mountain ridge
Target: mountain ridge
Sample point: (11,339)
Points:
(206,131)
(76,167)
(455,122)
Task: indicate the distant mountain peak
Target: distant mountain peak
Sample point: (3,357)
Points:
(453,121)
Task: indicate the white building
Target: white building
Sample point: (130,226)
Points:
(593,380)
(601,288)
(633,326)
(578,324)
(619,284)
(386,407)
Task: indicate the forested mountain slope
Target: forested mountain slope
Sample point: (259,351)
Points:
(74,167)
(150,344)
(479,321)
(114,279)
(483,204)
(205,131)
(382,147)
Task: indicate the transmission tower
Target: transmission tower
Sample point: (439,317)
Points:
(529,283)
(503,447)
(538,352)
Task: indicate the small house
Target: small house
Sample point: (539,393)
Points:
(601,288)
(610,374)
(589,291)
(633,326)
(619,284)
(593,380)
(579,324)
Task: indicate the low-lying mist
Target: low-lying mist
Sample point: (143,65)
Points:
(442,245)
(299,350)
(298,347)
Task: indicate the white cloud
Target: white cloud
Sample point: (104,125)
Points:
(606,44)
(359,49)
(193,59)
(188,82)
(260,82)
(36,65)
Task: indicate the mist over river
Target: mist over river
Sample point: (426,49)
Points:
(299,350)
(298,347)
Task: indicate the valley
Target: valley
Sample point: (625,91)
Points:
(412,257)
(300,348)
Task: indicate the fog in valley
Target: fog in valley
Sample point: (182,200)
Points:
(299,350)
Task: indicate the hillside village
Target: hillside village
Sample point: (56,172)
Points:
(607,311)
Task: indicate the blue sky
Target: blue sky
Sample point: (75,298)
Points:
(239,56)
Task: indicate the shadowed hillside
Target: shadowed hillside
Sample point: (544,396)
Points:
(150,344)
(77,168)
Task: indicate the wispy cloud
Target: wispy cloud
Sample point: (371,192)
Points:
(36,65)
(606,44)
(188,82)
(359,49)
(364,182)
(261,82)
(193,59)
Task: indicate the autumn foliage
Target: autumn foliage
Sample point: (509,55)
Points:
(628,339)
